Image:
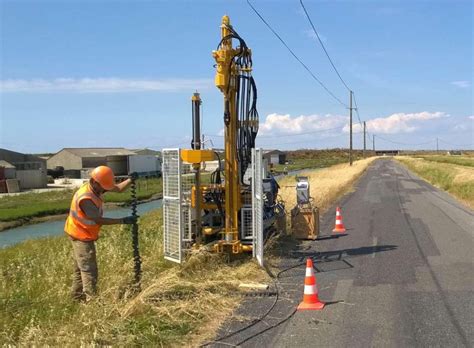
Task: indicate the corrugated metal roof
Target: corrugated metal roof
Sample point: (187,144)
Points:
(99,151)
(5,164)
(273,152)
(146,151)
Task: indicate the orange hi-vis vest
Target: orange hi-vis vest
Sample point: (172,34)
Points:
(78,226)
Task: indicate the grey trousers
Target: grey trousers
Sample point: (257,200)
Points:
(84,282)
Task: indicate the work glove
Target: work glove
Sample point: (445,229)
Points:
(133,176)
(130,220)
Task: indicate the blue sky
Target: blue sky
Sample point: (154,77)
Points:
(121,73)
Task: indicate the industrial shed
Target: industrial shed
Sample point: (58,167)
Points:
(30,170)
(275,156)
(78,162)
(147,151)
(7,170)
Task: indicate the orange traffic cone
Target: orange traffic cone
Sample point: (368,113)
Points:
(339,228)
(310,297)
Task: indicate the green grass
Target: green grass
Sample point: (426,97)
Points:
(178,304)
(458,160)
(146,188)
(302,163)
(57,202)
(310,159)
(458,180)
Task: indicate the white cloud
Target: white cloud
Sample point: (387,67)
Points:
(471,117)
(397,123)
(275,124)
(461,84)
(103,85)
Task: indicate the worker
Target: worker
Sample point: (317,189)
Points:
(83,226)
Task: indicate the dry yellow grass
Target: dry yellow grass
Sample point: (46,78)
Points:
(327,185)
(458,180)
(179,305)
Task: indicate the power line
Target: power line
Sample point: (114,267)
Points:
(322,45)
(283,135)
(448,143)
(330,60)
(173,145)
(402,143)
(296,142)
(357,109)
(294,55)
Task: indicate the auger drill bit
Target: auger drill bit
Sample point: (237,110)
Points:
(136,252)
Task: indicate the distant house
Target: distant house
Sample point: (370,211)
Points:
(78,162)
(29,170)
(275,156)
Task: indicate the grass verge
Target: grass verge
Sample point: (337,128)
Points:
(177,305)
(458,160)
(327,185)
(309,159)
(458,180)
(30,205)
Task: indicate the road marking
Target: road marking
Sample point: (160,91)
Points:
(374,245)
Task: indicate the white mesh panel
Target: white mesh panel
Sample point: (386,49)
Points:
(172,212)
(257,204)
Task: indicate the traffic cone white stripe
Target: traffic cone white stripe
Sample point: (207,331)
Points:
(310,289)
(310,294)
(339,226)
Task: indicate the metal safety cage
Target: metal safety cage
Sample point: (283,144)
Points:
(172,207)
(187,182)
(257,204)
(246,216)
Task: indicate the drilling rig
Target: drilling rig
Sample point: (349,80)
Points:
(230,209)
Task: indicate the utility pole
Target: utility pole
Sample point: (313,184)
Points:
(350,126)
(373,142)
(364,139)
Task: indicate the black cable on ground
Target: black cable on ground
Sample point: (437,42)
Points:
(256,321)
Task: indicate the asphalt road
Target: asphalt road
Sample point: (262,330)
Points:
(402,276)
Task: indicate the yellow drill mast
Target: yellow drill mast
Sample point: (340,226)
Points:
(225,80)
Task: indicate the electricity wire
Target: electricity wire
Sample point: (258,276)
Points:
(174,145)
(283,135)
(402,143)
(322,45)
(448,143)
(295,56)
(357,110)
(331,61)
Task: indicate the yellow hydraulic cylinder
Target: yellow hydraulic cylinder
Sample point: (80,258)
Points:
(225,80)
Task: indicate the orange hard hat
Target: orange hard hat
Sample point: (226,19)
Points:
(104,176)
